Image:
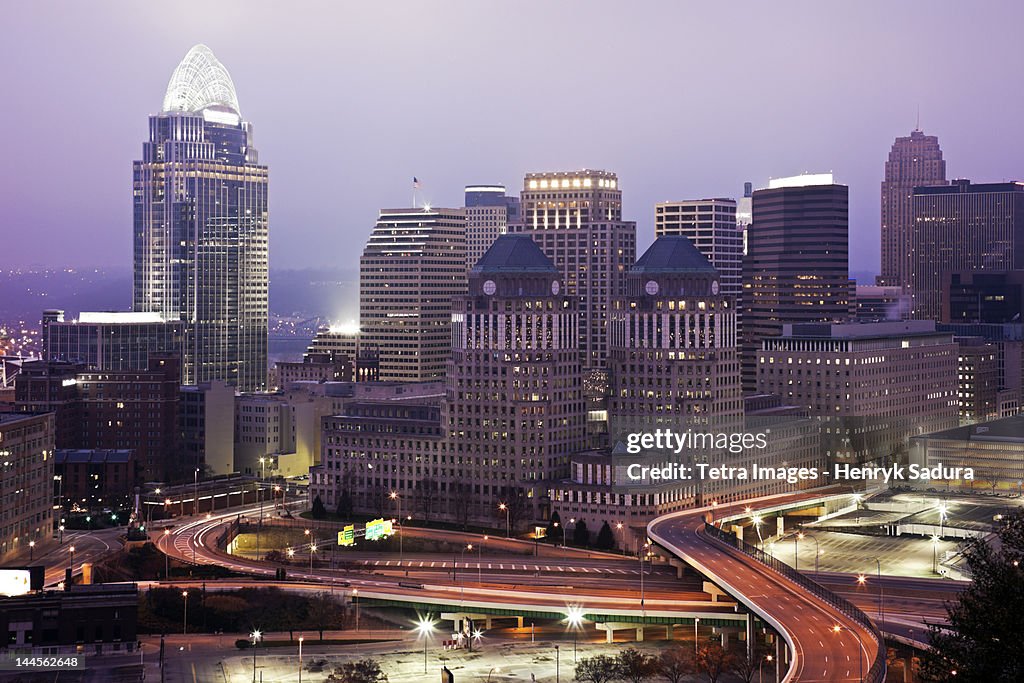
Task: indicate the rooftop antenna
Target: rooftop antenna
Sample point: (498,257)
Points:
(918,127)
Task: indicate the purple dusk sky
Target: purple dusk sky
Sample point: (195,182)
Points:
(350,100)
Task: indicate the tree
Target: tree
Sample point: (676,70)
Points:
(580,534)
(517,504)
(318,511)
(361,671)
(323,609)
(275,556)
(744,667)
(983,639)
(427,492)
(605,537)
(713,660)
(599,669)
(344,504)
(635,666)
(676,664)
(553,533)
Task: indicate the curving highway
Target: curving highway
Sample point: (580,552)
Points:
(807,623)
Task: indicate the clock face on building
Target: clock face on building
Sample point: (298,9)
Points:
(490,288)
(714,287)
(651,287)
(555,287)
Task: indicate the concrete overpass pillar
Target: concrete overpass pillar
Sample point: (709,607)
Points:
(738,531)
(778,661)
(668,632)
(609,636)
(519,622)
(751,638)
(640,634)
(780,525)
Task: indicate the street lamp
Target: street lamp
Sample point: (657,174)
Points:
(493,669)
(425,627)
(558,665)
(837,628)
(255,635)
(195,494)
(817,552)
(167,573)
(184,618)
(355,600)
(508,519)
(72,565)
(401,551)
(756,519)
(31,551)
(935,550)
(463,560)
(696,620)
(760,664)
(300,658)
(312,549)
(620,526)
(574,618)
(881,595)
(642,554)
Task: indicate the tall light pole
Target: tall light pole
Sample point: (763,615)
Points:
(696,620)
(837,628)
(31,551)
(255,635)
(817,552)
(796,551)
(756,519)
(558,666)
(620,526)
(480,562)
(195,494)
(355,599)
(881,595)
(312,549)
(300,658)
(184,618)
(468,547)
(167,574)
(574,618)
(401,551)
(760,664)
(508,519)
(935,549)
(642,553)
(424,628)
(71,566)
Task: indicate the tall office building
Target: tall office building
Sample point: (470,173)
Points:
(26,480)
(200,224)
(963,228)
(488,213)
(513,413)
(797,263)
(871,385)
(413,266)
(914,161)
(674,358)
(745,212)
(575,217)
(711,225)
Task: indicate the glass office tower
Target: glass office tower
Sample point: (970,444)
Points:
(200,224)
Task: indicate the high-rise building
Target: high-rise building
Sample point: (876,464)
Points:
(711,225)
(575,217)
(674,360)
(514,411)
(978,380)
(109,340)
(413,267)
(984,297)
(797,264)
(745,212)
(963,228)
(200,224)
(26,480)
(488,213)
(872,385)
(881,302)
(914,161)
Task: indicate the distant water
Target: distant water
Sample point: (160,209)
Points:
(279,350)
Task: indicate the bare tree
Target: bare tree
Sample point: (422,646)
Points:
(713,660)
(745,667)
(676,664)
(426,497)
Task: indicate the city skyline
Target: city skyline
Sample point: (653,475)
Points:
(472,127)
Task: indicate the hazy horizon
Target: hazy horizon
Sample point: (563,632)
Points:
(349,102)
